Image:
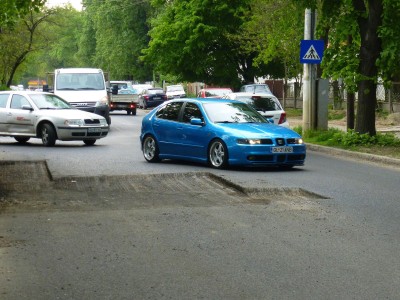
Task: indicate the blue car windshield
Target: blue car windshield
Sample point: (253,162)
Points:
(223,112)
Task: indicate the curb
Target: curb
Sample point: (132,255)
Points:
(383,160)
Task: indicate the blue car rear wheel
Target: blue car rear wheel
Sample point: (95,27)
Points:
(150,149)
(218,154)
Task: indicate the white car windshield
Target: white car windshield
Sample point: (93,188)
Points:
(175,89)
(80,81)
(232,113)
(44,101)
(217,92)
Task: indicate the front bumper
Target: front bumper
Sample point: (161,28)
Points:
(102,110)
(69,133)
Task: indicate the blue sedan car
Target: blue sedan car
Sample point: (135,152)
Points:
(218,132)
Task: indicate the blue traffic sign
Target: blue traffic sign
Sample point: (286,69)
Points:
(311,51)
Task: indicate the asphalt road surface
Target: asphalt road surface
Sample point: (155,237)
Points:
(80,222)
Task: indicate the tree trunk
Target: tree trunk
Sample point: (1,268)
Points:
(350,110)
(369,20)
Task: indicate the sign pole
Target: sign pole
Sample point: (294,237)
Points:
(307,76)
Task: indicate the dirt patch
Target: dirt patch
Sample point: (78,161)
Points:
(39,192)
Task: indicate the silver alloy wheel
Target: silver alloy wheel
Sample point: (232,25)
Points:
(48,135)
(150,149)
(217,154)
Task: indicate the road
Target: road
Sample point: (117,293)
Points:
(173,230)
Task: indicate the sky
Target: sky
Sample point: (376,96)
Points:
(75,3)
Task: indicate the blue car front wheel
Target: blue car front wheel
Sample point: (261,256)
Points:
(218,154)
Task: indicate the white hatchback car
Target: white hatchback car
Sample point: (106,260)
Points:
(26,114)
(265,103)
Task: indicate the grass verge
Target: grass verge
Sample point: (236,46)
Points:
(385,144)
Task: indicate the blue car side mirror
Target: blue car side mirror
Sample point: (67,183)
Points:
(196,121)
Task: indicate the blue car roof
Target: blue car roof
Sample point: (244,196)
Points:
(207,100)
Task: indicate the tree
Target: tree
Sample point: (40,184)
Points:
(363,25)
(117,32)
(13,10)
(276,28)
(18,43)
(203,40)
(369,19)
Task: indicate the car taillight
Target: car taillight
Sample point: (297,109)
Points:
(165,97)
(146,97)
(133,105)
(282,119)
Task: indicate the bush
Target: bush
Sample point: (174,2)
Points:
(336,137)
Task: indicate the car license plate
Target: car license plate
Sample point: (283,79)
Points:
(156,98)
(282,149)
(94,130)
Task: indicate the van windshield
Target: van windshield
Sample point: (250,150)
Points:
(80,81)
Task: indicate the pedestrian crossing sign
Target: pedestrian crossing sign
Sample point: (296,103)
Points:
(311,51)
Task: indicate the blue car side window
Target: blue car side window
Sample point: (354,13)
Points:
(170,111)
(191,111)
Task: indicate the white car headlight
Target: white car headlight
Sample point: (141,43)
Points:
(74,122)
(103,122)
(102,101)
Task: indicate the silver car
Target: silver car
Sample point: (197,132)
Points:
(265,103)
(25,115)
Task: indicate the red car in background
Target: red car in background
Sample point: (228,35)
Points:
(213,92)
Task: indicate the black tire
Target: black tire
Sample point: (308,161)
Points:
(89,142)
(128,112)
(134,112)
(21,139)
(218,154)
(48,135)
(150,149)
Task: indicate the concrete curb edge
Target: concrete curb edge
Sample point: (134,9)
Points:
(393,162)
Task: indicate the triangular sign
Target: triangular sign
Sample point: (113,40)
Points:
(311,54)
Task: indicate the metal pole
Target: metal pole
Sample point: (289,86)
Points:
(307,76)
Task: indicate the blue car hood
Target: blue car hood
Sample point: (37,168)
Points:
(258,130)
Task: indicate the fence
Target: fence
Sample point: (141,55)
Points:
(388,99)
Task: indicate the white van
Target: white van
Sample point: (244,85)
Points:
(83,88)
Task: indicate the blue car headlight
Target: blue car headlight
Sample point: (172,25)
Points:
(248,141)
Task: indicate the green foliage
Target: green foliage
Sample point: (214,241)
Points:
(389,60)
(11,11)
(117,32)
(276,28)
(202,41)
(26,38)
(350,139)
